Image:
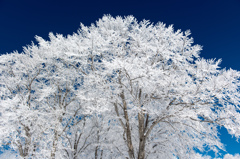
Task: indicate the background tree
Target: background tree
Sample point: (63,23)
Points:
(19,108)
(39,103)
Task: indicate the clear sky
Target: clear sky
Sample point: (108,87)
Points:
(215,24)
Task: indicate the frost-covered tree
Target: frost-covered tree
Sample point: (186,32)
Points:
(40,104)
(117,89)
(19,110)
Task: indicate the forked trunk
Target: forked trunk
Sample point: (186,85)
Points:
(141,151)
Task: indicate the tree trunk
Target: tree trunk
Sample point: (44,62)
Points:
(24,152)
(96,152)
(142,137)
(128,130)
(142,127)
(126,126)
(141,151)
(75,147)
(53,152)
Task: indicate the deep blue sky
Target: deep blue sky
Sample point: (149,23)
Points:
(215,24)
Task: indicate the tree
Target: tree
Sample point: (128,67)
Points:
(39,103)
(19,115)
(142,88)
